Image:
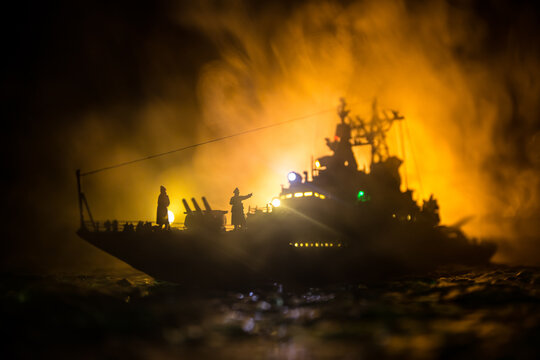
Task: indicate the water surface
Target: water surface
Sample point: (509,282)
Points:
(487,313)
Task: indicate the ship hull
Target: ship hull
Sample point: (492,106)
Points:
(243,259)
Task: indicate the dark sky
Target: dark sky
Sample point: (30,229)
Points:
(64,59)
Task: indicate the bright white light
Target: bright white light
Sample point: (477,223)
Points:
(292,176)
(171,216)
(317,164)
(276,202)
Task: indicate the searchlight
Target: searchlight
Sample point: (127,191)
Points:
(293,177)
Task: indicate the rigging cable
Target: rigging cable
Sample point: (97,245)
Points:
(205,142)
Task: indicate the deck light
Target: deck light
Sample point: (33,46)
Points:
(170,214)
(276,202)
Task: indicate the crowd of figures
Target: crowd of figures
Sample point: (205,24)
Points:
(113,226)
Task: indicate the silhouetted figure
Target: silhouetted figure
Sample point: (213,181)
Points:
(237,210)
(128,227)
(148,226)
(115,225)
(140,226)
(162,217)
(107,225)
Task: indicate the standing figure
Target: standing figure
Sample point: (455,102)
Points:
(162,217)
(237,210)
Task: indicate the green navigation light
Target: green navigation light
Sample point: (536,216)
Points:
(362,196)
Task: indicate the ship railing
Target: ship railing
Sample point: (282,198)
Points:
(100,226)
(266,209)
(121,223)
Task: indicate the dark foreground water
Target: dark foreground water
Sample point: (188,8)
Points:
(489,313)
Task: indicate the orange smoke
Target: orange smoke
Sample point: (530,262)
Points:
(470,133)
(277,65)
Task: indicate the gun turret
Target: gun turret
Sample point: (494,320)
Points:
(197,207)
(206,205)
(213,220)
(186,206)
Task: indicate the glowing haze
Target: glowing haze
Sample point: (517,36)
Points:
(280,63)
(277,65)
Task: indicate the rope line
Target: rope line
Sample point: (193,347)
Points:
(204,143)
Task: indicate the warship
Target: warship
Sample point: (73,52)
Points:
(334,224)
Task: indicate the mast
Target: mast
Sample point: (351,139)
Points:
(82,199)
(373,133)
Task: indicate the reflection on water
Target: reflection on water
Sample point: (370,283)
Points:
(488,313)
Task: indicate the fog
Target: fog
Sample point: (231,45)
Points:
(465,76)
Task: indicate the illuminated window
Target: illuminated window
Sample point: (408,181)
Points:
(288,196)
(316,194)
(298,194)
(295,244)
(308,193)
(322,196)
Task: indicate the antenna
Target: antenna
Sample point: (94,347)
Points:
(373,133)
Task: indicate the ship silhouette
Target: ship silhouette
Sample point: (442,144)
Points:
(336,224)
